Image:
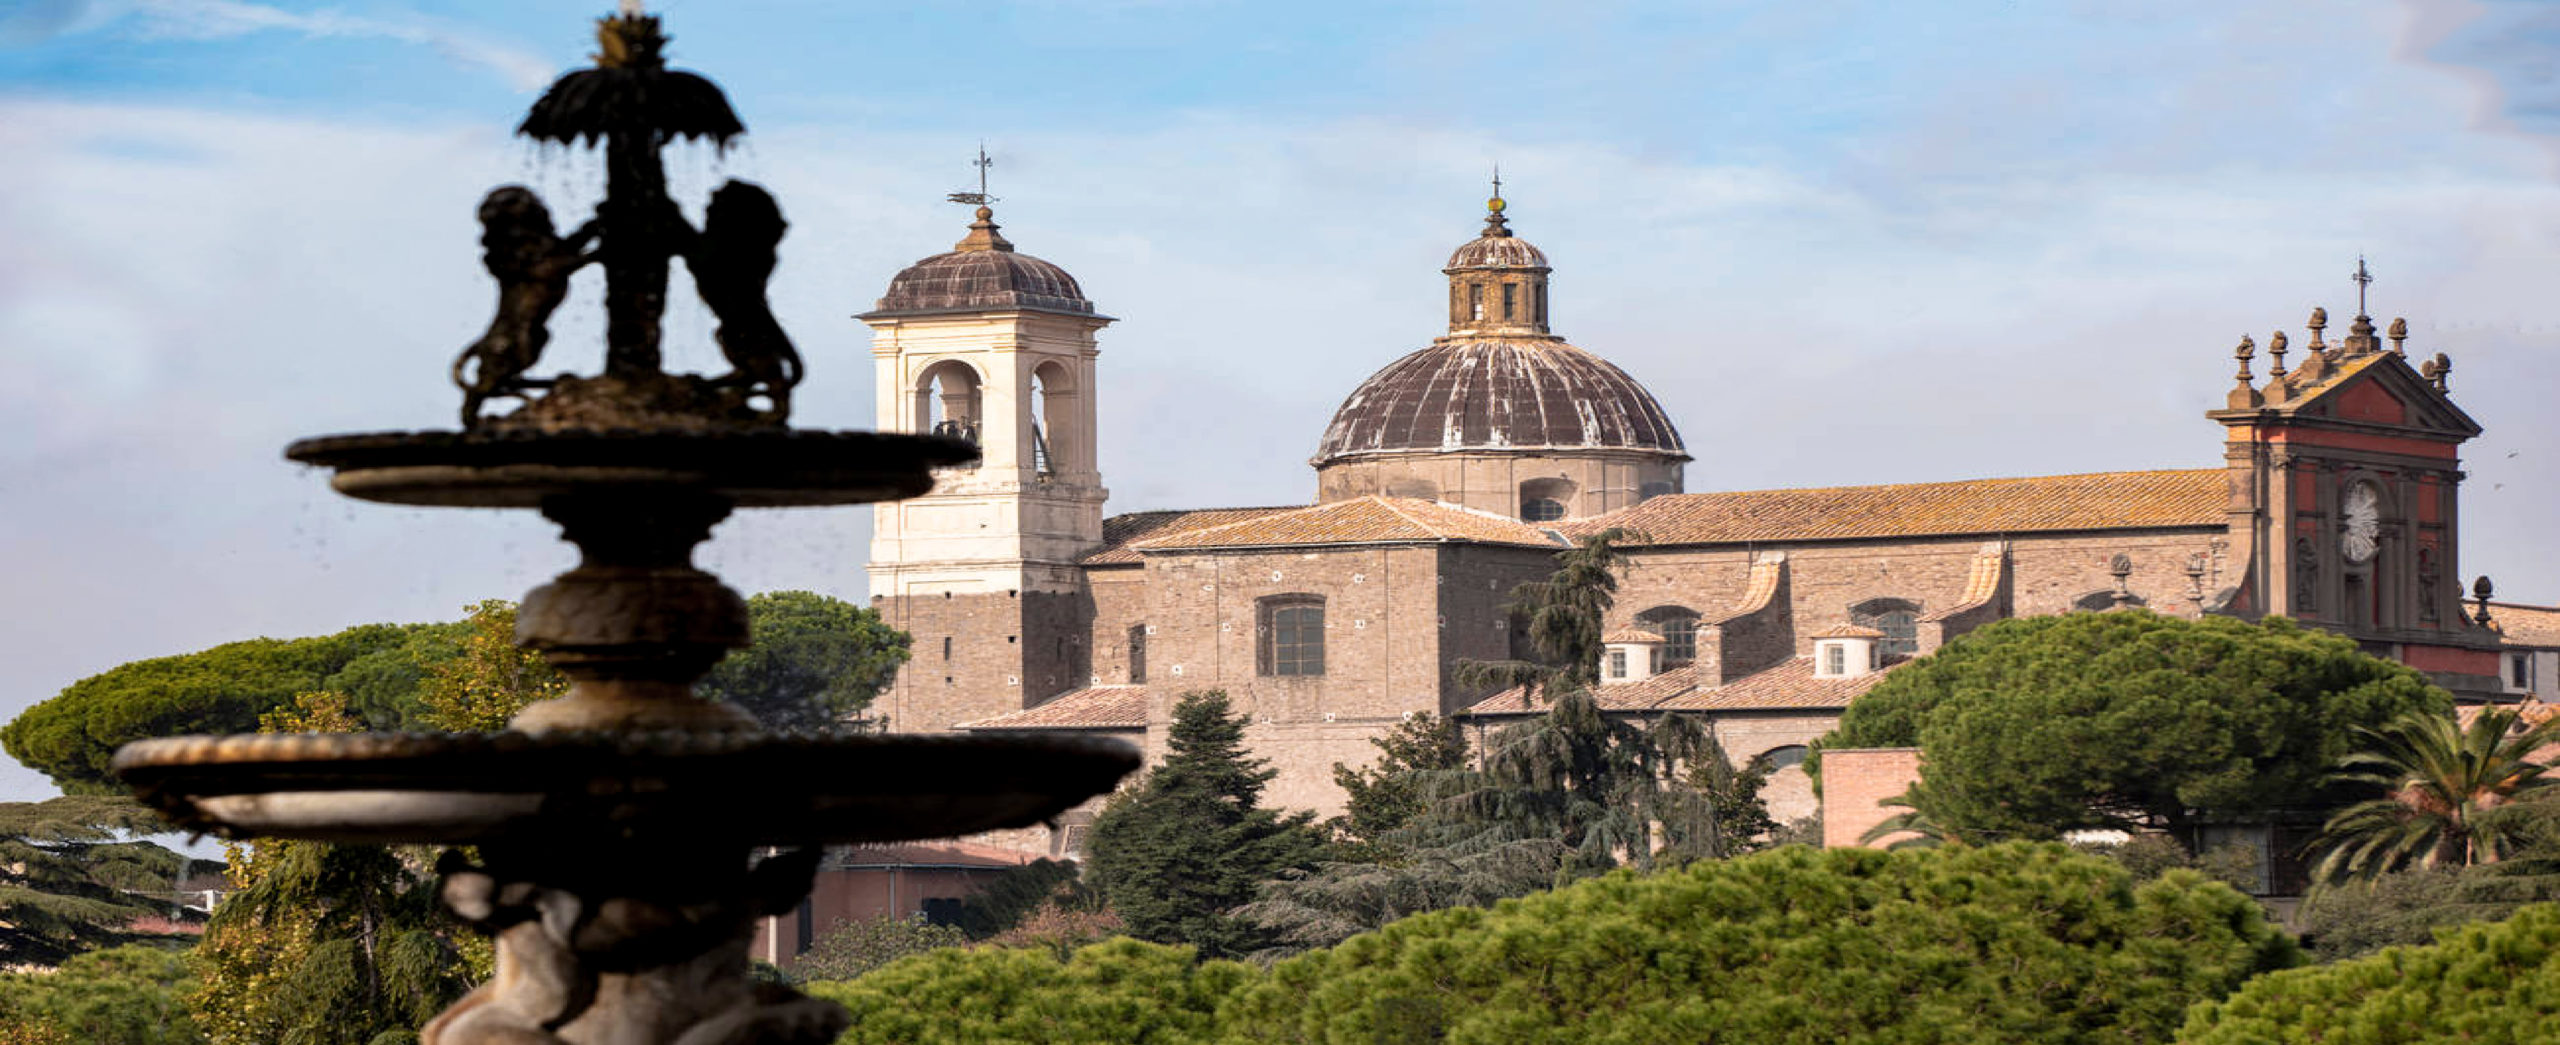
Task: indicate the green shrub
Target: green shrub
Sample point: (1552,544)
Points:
(2015,943)
(2481,984)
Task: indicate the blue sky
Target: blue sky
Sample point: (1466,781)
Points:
(1843,243)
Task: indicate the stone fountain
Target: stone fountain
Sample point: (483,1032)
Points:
(616,826)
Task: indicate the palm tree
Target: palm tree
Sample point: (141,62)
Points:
(2445,788)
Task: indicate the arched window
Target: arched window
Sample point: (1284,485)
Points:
(1053,422)
(947,400)
(1778,758)
(1544,500)
(1291,630)
(1678,626)
(1898,619)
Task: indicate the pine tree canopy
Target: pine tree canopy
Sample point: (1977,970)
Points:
(2016,944)
(2035,726)
(71,879)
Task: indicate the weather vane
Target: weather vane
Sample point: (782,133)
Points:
(980,197)
(2363,279)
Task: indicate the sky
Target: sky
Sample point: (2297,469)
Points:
(1842,242)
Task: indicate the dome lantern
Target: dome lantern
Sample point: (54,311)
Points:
(1497,281)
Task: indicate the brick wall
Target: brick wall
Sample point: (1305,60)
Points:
(1855,784)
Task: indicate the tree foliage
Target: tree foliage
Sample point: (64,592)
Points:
(488,678)
(1387,795)
(325,944)
(851,948)
(73,877)
(817,661)
(2015,943)
(2035,726)
(1013,895)
(73,736)
(1119,990)
(2407,908)
(1176,855)
(2447,793)
(128,995)
(2494,983)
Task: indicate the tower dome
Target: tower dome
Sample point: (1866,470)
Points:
(1499,413)
(980,273)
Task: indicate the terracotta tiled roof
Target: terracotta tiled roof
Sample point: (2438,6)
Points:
(925,854)
(1093,707)
(1616,696)
(2099,501)
(1119,531)
(1626,635)
(1848,631)
(2526,625)
(1786,687)
(1361,520)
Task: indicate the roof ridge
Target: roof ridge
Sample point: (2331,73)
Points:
(1200,530)
(1392,504)
(1933,482)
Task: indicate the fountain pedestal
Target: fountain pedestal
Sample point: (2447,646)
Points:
(616,826)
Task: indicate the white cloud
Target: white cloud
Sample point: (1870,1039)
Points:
(224,19)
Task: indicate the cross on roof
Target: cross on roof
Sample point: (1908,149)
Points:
(980,197)
(2363,279)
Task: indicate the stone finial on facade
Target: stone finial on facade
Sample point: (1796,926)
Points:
(2244,396)
(2399,333)
(2437,371)
(2360,339)
(2480,591)
(2121,568)
(2319,322)
(2275,357)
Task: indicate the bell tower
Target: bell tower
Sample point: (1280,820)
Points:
(994,346)
(2345,474)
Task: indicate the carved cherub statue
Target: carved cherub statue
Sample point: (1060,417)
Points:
(668,962)
(731,261)
(532,264)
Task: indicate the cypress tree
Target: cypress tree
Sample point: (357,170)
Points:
(1177,854)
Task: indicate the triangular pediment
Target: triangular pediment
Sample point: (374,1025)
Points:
(2380,390)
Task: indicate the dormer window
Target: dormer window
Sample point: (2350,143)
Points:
(1847,651)
(1634,654)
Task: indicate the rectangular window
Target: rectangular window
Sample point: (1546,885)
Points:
(1835,659)
(1510,299)
(1137,654)
(1617,663)
(1475,301)
(1293,638)
(2520,671)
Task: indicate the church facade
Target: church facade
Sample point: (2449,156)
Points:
(1458,471)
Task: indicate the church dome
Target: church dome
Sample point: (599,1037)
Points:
(982,272)
(1499,380)
(1494,393)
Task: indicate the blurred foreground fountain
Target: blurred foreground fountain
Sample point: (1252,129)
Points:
(615,825)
